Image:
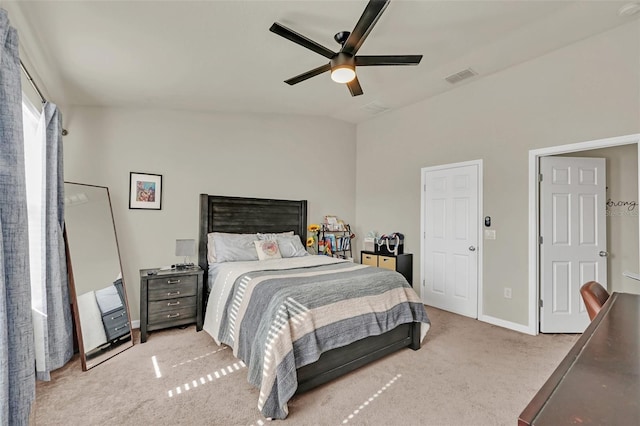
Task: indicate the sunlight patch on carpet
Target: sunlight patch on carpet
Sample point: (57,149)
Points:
(156,368)
(370,400)
(193,384)
(199,357)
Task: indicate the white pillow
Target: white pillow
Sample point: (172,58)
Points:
(272,236)
(291,246)
(234,247)
(267,249)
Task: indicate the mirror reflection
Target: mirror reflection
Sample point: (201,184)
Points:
(95,275)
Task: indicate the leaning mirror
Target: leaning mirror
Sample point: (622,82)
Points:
(98,291)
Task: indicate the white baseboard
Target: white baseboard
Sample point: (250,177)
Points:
(506,324)
(135,324)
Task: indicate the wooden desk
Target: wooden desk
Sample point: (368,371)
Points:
(598,382)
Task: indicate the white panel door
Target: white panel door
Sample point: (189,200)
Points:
(451,239)
(574,237)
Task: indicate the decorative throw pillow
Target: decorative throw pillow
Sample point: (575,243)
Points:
(291,246)
(267,249)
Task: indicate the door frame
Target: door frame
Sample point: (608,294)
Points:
(480,247)
(533,326)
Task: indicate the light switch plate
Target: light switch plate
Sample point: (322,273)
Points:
(489,234)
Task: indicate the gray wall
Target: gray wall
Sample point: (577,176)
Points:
(589,90)
(266,156)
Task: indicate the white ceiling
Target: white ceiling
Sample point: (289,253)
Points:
(220,56)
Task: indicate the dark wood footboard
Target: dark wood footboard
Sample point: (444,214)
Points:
(340,361)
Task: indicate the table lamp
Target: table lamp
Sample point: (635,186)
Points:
(185,249)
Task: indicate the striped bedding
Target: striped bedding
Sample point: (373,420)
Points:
(279,315)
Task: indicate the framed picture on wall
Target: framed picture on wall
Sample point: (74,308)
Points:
(145,191)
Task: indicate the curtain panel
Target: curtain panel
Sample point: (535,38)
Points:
(52,324)
(17,359)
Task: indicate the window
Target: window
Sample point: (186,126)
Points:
(34,153)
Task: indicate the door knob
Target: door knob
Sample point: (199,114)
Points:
(472,248)
(603,253)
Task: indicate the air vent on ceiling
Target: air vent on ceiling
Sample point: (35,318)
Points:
(375,107)
(461,75)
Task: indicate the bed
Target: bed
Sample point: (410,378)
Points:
(321,362)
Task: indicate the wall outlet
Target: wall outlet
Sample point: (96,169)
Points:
(507,293)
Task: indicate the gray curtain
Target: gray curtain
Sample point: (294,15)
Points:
(17,361)
(54,343)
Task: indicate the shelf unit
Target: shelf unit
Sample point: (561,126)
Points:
(340,242)
(402,263)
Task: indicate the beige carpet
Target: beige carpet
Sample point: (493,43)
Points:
(466,373)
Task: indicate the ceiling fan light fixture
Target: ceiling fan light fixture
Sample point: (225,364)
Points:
(343,73)
(343,68)
(342,64)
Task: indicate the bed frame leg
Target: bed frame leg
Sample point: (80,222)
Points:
(415,336)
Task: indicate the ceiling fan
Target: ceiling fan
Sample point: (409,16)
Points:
(343,63)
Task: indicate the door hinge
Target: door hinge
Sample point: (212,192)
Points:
(540,177)
(540,239)
(541,303)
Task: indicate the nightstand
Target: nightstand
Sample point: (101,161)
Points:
(402,263)
(170,298)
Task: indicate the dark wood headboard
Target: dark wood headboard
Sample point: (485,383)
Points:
(247,215)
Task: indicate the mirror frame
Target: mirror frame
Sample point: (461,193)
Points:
(73,294)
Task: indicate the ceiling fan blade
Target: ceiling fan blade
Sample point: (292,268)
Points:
(365,24)
(354,87)
(307,75)
(363,61)
(301,40)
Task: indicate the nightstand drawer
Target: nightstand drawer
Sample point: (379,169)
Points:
(387,262)
(369,259)
(116,323)
(174,315)
(171,288)
(173,305)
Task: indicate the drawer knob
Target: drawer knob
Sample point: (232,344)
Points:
(173,293)
(173,304)
(118,316)
(173,281)
(173,315)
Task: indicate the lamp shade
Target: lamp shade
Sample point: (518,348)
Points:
(185,248)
